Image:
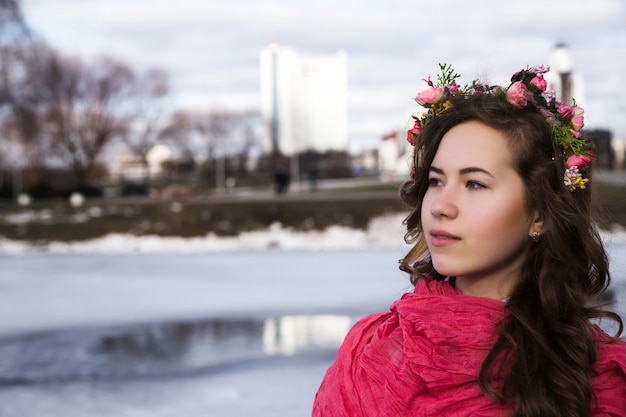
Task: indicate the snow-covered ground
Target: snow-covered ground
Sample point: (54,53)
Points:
(384,231)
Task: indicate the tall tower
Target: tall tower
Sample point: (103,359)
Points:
(303,100)
(563,78)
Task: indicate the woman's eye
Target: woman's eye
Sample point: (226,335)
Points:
(433,182)
(475,185)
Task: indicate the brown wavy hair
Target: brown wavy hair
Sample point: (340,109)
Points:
(545,349)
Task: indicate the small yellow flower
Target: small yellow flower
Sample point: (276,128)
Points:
(439,109)
(578,182)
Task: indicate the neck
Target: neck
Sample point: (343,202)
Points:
(499,290)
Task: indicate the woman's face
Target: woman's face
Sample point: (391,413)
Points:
(473,215)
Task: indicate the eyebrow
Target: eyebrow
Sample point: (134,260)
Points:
(463,171)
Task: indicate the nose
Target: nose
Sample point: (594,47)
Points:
(444,203)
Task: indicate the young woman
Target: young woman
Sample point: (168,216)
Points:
(507,266)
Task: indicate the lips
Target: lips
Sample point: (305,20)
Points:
(442,238)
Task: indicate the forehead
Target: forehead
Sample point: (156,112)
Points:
(474,144)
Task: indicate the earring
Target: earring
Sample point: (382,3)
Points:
(535,236)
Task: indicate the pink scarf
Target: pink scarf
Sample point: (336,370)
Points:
(423,358)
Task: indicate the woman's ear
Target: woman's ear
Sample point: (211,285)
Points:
(536,226)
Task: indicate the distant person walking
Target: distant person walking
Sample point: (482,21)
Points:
(280,167)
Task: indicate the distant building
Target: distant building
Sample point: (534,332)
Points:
(603,148)
(130,167)
(303,100)
(563,77)
(619,148)
(394,154)
(134,168)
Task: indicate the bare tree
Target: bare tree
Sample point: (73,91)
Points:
(203,135)
(58,110)
(146,106)
(78,109)
(14,38)
(21,102)
(215,128)
(220,140)
(12,24)
(178,132)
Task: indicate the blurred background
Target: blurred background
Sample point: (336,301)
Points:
(198,199)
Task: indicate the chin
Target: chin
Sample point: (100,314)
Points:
(447,272)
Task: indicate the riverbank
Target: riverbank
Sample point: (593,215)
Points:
(222,214)
(345,203)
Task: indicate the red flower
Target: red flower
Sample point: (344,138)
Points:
(412,133)
(578,161)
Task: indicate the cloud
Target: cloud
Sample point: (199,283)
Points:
(211,47)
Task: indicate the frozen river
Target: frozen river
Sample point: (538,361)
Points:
(226,334)
(123,331)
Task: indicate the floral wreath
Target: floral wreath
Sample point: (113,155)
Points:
(526,86)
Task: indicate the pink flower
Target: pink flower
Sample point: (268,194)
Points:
(453,88)
(575,133)
(564,110)
(550,118)
(571,173)
(578,121)
(412,133)
(516,94)
(578,161)
(430,96)
(539,82)
(550,96)
(539,69)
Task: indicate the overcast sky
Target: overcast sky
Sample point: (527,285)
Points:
(211,48)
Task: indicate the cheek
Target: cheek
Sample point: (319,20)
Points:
(511,220)
(425,209)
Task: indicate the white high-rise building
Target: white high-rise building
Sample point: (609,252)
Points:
(304,100)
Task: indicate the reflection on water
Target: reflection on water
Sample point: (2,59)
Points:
(179,348)
(158,349)
(291,334)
